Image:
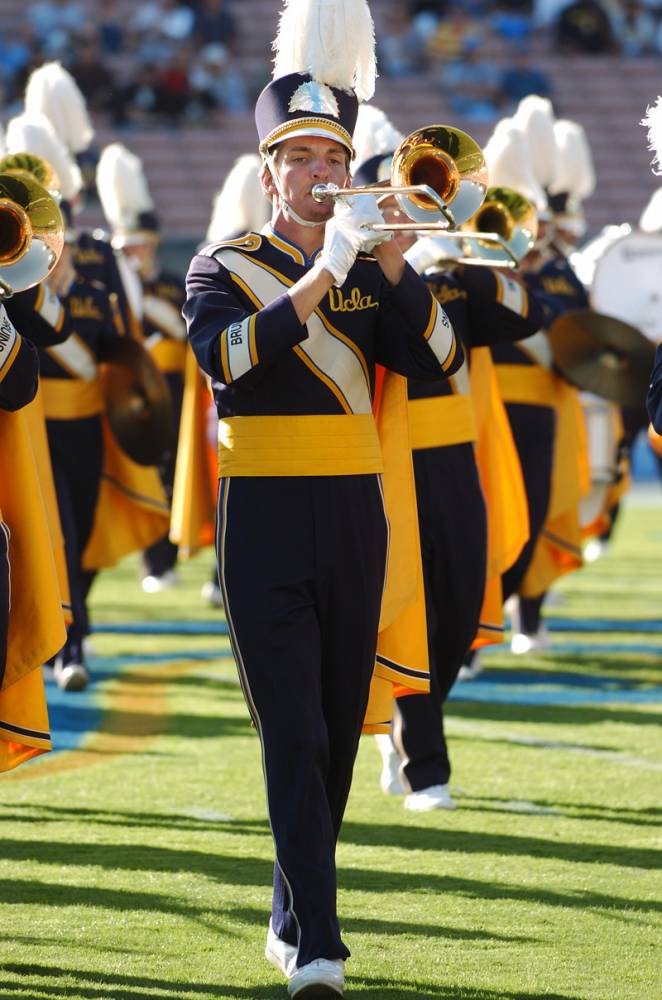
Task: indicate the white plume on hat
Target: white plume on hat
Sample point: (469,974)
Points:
(574,171)
(535,117)
(122,187)
(507,157)
(374,134)
(52,91)
(332,40)
(241,205)
(33,133)
(653,122)
(651,217)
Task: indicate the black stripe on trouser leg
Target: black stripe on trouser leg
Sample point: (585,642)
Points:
(302,562)
(76,448)
(533,430)
(453,528)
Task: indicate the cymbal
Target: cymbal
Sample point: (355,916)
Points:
(138,402)
(603,355)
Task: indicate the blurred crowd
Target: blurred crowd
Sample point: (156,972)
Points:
(174,61)
(159,61)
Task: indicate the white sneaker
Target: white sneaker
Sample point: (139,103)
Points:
(322,978)
(283,956)
(434,797)
(155,584)
(89,648)
(389,779)
(525,642)
(470,671)
(72,677)
(212,594)
(594,550)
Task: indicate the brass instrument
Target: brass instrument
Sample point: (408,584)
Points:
(510,215)
(18,164)
(31,232)
(439,179)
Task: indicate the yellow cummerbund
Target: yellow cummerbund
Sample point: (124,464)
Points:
(310,445)
(71,399)
(441,420)
(529,384)
(169,355)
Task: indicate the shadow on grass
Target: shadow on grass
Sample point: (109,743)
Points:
(106,817)
(104,986)
(570,810)
(566,715)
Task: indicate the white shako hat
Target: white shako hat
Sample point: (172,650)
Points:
(653,123)
(375,141)
(574,175)
(52,91)
(124,195)
(651,217)
(240,206)
(324,66)
(535,117)
(507,156)
(33,133)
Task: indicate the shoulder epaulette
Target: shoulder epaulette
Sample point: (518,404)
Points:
(247,244)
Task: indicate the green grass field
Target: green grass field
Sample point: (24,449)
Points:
(138,863)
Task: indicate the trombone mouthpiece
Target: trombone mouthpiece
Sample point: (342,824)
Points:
(324,192)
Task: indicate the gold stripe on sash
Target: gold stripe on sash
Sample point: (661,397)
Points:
(529,384)
(309,445)
(71,399)
(441,420)
(169,355)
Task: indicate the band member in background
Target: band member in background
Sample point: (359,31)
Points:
(300,505)
(129,210)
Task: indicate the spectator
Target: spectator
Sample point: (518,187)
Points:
(138,101)
(91,73)
(16,51)
(635,29)
(399,50)
(456,34)
(110,28)
(471,86)
(215,24)
(54,22)
(520,78)
(216,78)
(511,21)
(584,27)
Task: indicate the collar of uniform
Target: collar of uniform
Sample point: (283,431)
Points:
(298,255)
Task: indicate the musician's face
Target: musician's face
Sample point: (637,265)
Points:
(301,163)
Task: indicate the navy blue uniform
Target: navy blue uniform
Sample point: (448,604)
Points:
(73,405)
(302,533)
(654,398)
(484,308)
(169,353)
(96,261)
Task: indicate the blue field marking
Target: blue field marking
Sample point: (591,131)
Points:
(634,626)
(531,687)
(72,715)
(585,648)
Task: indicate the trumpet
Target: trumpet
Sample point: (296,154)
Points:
(31,232)
(439,179)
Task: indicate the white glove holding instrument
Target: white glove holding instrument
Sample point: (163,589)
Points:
(344,236)
(431,250)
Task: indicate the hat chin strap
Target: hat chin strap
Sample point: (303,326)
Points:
(289,211)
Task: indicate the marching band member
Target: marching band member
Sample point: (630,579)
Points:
(304,316)
(129,210)
(653,122)
(483,306)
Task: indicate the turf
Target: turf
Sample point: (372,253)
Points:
(137,863)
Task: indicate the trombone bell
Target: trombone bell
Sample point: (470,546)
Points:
(508,214)
(31,233)
(447,160)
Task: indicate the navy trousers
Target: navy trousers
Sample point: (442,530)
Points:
(533,430)
(301,564)
(453,528)
(162,555)
(76,448)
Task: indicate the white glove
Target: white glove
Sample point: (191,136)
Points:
(343,239)
(366,212)
(430,250)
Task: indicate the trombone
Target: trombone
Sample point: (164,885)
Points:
(439,179)
(31,228)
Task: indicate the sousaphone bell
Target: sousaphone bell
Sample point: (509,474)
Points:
(602,355)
